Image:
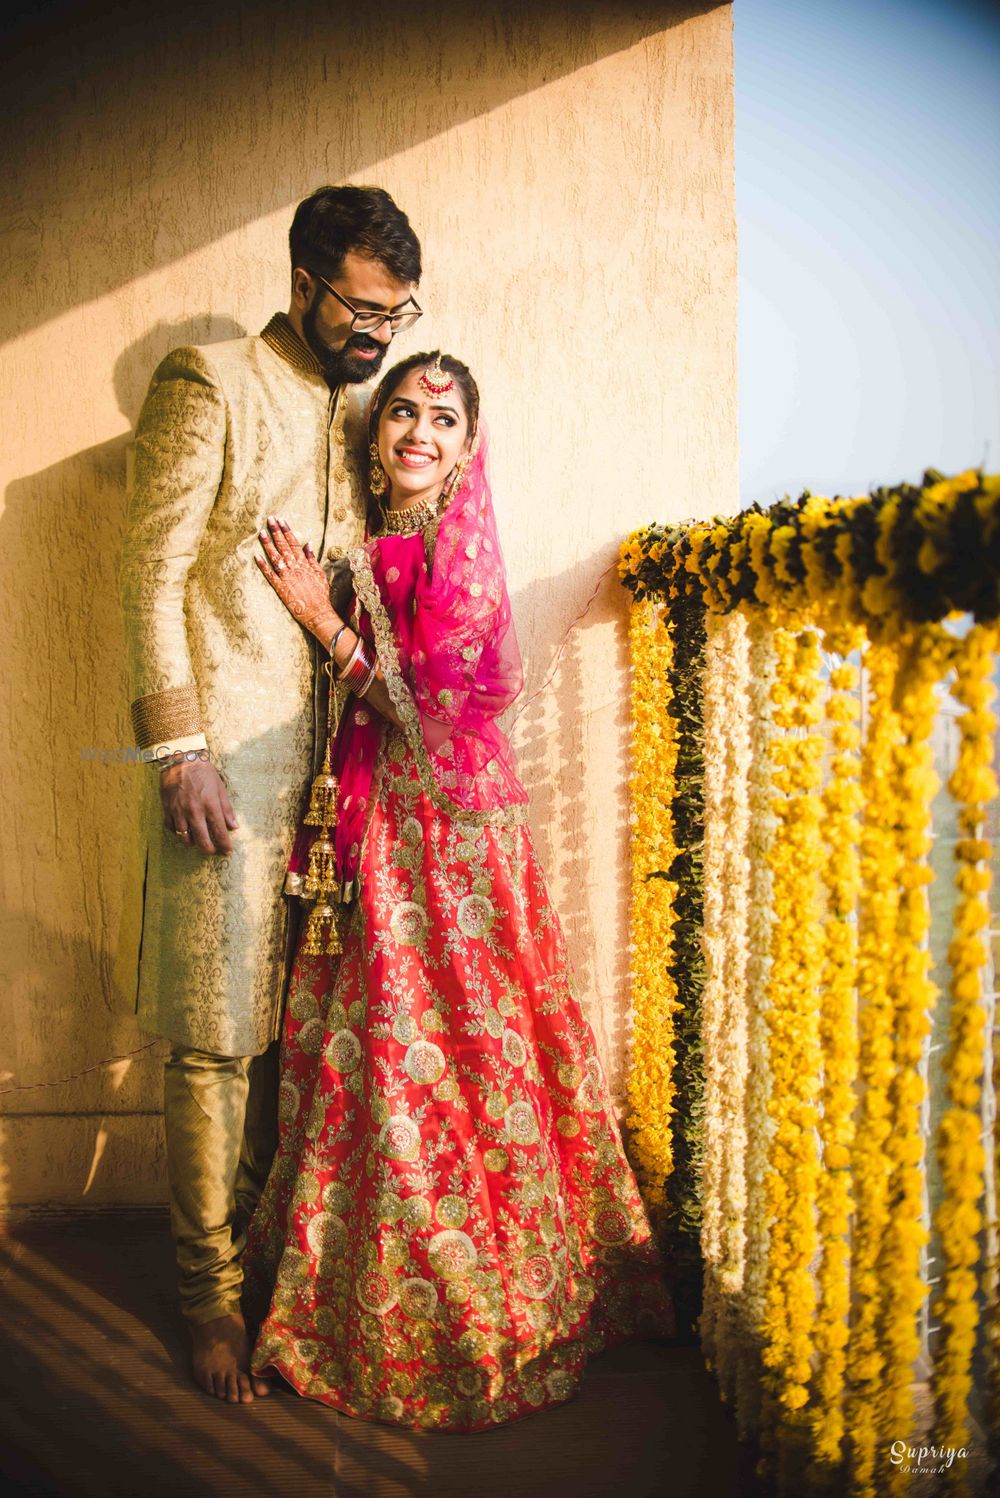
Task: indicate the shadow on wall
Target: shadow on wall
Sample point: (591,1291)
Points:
(567,811)
(263,109)
(66,654)
(88,1142)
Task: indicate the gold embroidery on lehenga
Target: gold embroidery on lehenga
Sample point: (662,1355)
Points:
(474,1241)
(451,1254)
(424,1062)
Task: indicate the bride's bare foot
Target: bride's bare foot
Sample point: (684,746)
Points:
(221,1360)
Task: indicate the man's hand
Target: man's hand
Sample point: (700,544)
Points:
(196,806)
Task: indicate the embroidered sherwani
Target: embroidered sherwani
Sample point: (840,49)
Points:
(229,434)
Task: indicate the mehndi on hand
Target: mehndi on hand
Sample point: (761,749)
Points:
(295,575)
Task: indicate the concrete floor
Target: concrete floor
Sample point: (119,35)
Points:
(96,1402)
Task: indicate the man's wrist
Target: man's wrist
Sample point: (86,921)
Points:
(192,750)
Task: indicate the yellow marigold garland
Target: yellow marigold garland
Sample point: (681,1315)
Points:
(733,1037)
(796,857)
(893,558)
(876,934)
(924,657)
(991,1275)
(650,1080)
(960,1149)
(838,1038)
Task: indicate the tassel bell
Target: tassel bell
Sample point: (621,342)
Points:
(321,876)
(323,799)
(321,937)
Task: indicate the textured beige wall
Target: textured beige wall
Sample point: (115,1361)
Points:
(569,169)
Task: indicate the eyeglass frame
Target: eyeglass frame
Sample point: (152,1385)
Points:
(383,317)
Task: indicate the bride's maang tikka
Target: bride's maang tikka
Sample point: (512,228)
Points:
(436,380)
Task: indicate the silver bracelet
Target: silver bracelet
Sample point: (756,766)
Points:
(336,637)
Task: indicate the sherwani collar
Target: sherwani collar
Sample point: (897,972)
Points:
(282,337)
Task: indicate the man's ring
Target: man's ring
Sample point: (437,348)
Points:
(181,831)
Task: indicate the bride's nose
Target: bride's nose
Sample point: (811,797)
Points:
(421,427)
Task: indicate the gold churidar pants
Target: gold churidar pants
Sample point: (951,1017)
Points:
(221,1120)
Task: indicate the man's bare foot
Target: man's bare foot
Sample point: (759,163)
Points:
(221,1360)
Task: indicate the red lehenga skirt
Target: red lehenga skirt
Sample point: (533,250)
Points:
(450,1227)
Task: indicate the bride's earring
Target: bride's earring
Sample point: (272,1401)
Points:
(459,473)
(377,472)
(460,468)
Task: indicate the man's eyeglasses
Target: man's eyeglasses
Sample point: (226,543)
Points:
(363,321)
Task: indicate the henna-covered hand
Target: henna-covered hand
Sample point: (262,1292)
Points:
(297,578)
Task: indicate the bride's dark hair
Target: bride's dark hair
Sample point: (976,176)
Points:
(390,383)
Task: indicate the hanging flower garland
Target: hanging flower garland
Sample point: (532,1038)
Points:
(991,1274)
(713,992)
(654,1001)
(682,1227)
(838,1038)
(877,915)
(760,920)
(796,858)
(734,1030)
(960,1149)
(924,654)
(724,1016)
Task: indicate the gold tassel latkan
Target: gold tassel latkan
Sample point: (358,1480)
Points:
(318,941)
(323,800)
(321,937)
(321,876)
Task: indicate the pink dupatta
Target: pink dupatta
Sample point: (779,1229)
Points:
(436,607)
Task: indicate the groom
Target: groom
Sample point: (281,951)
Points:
(225,698)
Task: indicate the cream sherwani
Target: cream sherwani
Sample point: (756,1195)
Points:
(229,434)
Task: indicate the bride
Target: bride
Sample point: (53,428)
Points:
(450,1227)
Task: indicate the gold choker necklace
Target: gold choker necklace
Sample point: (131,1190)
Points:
(412,518)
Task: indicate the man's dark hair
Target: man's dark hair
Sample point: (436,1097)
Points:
(333,221)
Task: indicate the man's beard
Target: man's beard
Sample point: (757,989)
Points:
(342,366)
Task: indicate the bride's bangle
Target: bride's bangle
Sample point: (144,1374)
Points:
(360,673)
(351,661)
(362,690)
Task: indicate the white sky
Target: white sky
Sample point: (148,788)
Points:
(868,191)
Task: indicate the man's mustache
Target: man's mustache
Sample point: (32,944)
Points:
(362,342)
